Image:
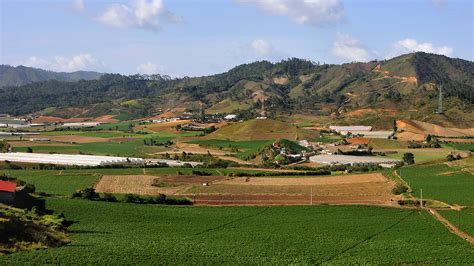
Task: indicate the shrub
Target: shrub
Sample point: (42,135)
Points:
(109,197)
(399,189)
(86,193)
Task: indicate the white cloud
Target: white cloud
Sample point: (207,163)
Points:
(67,64)
(143,14)
(148,68)
(262,47)
(79,5)
(411,45)
(350,49)
(438,3)
(312,12)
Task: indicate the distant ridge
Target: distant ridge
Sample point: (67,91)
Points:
(21,75)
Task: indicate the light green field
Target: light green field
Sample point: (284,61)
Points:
(440,182)
(121,233)
(421,155)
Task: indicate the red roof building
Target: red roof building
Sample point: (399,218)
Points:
(7,186)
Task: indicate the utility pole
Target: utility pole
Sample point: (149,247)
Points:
(421,202)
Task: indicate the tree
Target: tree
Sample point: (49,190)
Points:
(29,150)
(409,158)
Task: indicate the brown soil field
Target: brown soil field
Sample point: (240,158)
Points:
(142,184)
(76,139)
(358,140)
(106,119)
(342,189)
(415,130)
(365,111)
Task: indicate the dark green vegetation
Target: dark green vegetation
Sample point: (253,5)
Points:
(21,75)
(110,232)
(27,230)
(450,184)
(403,83)
(463,219)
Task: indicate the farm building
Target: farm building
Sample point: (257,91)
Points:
(338,129)
(370,134)
(7,191)
(353,160)
(67,159)
(82,124)
(230,117)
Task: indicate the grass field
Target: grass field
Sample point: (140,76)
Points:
(120,233)
(244,148)
(441,182)
(463,219)
(421,155)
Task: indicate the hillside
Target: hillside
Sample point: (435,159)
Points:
(262,130)
(21,75)
(404,87)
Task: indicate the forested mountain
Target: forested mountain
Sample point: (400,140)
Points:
(21,75)
(406,86)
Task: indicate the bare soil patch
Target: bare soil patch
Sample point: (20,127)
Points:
(76,139)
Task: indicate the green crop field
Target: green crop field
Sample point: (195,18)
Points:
(440,182)
(126,148)
(463,219)
(460,146)
(121,233)
(52,182)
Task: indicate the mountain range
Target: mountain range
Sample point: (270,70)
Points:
(21,75)
(406,86)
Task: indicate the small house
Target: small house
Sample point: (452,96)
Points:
(7,191)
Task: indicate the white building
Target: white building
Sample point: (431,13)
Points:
(338,129)
(353,160)
(230,117)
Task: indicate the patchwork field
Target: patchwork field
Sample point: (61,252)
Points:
(145,234)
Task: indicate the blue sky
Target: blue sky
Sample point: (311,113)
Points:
(202,37)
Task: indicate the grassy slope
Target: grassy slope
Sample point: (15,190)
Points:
(134,234)
(262,130)
(440,182)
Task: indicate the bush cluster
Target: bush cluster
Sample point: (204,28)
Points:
(91,194)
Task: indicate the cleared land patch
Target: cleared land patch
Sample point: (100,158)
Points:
(220,190)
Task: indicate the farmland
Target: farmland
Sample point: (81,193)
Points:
(440,182)
(138,234)
(463,219)
(242,148)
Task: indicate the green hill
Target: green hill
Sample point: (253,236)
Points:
(406,85)
(21,75)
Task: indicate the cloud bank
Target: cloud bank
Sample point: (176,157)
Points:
(141,14)
(350,49)
(311,12)
(84,61)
